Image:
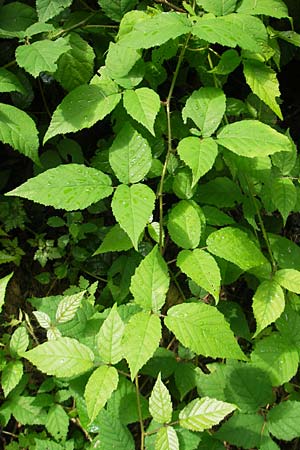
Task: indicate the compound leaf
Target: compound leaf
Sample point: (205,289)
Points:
(109,339)
(160,405)
(268,304)
(143,105)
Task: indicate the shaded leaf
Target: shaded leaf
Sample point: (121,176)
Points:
(3,285)
(9,82)
(47,9)
(166,439)
(284,420)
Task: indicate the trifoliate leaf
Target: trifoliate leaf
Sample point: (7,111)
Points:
(160,405)
(109,339)
(143,105)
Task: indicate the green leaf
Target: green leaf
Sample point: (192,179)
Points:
(64,357)
(198,154)
(235,246)
(18,130)
(184,224)
(160,405)
(242,430)
(252,138)
(68,307)
(289,326)
(116,240)
(115,9)
(57,423)
(132,207)
(76,66)
(83,107)
(204,330)
(283,420)
(150,283)
(19,341)
(263,82)
(69,186)
(216,217)
(272,8)
(218,7)
(284,196)
(9,82)
(15,17)
(285,251)
(141,339)
(185,375)
(221,192)
(289,36)
(166,439)
(11,375)
(109,339)
(268,304)
(206,108)
(202,414)
(3,285)
(277,357)
(43,319)
(26,411)
(112,434)
(130,155)
(229,61)
(41,56)
(289,279)
(99,388)
(120,60)
(143,105)
(202,269)
(47,9)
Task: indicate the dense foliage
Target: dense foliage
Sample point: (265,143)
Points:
(150,270)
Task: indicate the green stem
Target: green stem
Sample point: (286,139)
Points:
(73,27)
(138,402)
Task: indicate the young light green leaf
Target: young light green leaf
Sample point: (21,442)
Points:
(83,107)
(64,357)
(150,282)
(19,341)
(166,439)
(204,330)
(143,105)
(184,224)
(284,420)
(198,154)
(68,307)
(263,82)
(3,285)
(130,155)
(284,196)
(116,240)
(47,9)
(115,9)
(268,304)
(43,319)
(235,246)
(202,268)
(69,186)
(206,108)
(41,56)
(252,138)
(132,207)
(99,388)
(218,7)
(273,8)
(120,60)
(160,405)
(109,339)
(289,279)
(18,130)
(11,375)
(9,82)
(202,414)
(57,423)
(140,340)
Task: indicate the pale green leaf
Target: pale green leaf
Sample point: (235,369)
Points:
(206,108)
(57,423)
(68,307)
(268,304)
(3,285)
(218,7)
(9,82)
(229,61)
(160,405)
(204,330)
(109,339)
(120,60)
(284,196)
(19,341)
(15,17)
(116,240)
(143,105)
(130,155)
(99,388)
(47,9)
(184,224)
(252,138)
(64,357)
(37,28)
(115,9)
(202,414)
(132,207)
(283,420)
(83,107)
(273,8)
(263,82)
(11,375)
(198,154)
(202,268)
(166,439)
(41,56)
(112,433)
(140,340)
(18,130)
(289,279)
(150,282)
(69,186)
(43,319)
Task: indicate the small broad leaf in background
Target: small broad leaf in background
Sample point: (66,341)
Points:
(167,439)
(68,307)
(243,430)
(218,7)
(140,340)
(229,61)
(109,338)
(132,207)
(115,9)
(57,423)
(19,130)
(184,224)
(19,341)
(273,8)
(69,186)
(284,196)
(116,240)
(235,246)
(64,357)
(113,432)
(289,279)
(47,9)
(3,285)
(202,268)
(283,420)
(268,303)
(15,17)
(150,282)
(130,155)
(9,82)
(202,414)
(143,105)
(101,384)
(160,405)
(206,108)
(204,330)
(198,154)
(11,375)
(221,192)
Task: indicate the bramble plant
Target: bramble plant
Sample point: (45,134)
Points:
(159,177)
